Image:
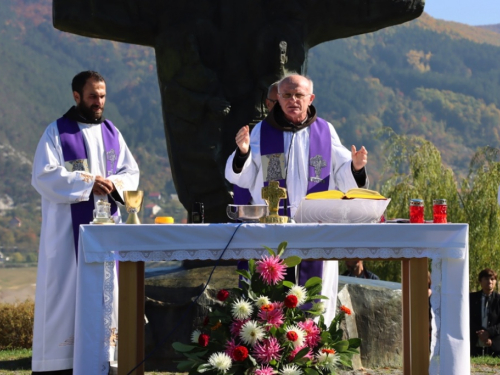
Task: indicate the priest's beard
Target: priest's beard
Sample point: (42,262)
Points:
(88,112)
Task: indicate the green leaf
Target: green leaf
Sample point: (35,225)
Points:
(270,251)
(310,371)
(325,336)
(251,266)
(321,323)
(287,283)
(346,361)
(354,343)
(312,312)
(301,354)
(317,296)
(204,368)
(292,261)
(183,348)
(341,346)
(196,356)
(185,366)
(352,351)
(253,360)
(312,282)
(281,248)
(244,273)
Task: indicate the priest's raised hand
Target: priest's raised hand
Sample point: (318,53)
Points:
(359,157)
(243,139)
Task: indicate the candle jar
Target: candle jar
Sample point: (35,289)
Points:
(416,211)
(439,210)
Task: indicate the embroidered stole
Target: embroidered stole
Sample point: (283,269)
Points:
(75,159)
(272,150)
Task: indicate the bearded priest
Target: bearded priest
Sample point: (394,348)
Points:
(81,158)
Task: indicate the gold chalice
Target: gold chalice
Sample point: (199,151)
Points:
(133,203)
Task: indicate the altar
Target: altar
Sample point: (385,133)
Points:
(445,244)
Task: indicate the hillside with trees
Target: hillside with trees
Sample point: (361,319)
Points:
(433,79)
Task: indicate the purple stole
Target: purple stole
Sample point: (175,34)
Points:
(73,148)
(272,151)
(241,195)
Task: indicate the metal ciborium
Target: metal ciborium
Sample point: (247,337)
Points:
(133,203)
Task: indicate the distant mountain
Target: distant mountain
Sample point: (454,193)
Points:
(495,28)
(436,79)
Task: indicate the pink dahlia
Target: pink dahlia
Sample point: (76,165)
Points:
(272,269)
(264,370)
(312,332)
(273,317)
(267,350)
(294,352)
(236,326)
(230,346)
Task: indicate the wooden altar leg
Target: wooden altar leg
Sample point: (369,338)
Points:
(419,317)
(405,285)
(131,318)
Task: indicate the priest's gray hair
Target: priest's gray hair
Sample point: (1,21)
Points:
(271,87)
(289,74)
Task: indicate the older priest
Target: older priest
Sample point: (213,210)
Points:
(301,151)
(81,158)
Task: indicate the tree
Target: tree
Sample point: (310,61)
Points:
(480,209)
(415,170)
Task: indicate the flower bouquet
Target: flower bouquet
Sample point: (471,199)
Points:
(269,326)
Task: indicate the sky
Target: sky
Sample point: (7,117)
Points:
(471,12)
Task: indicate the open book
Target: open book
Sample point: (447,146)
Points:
(350,194)
(355,206)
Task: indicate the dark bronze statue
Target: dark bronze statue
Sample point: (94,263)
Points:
(216,59)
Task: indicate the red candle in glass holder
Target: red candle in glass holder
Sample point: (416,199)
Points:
(439,210)
(416,211)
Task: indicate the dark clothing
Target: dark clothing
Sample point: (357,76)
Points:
(493,326)
(74,115)
(364,275)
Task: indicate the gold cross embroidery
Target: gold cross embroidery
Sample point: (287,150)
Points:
(88,178)
(118,184)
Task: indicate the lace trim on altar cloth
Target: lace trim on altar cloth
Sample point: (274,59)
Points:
(435,302)
(323,253)
(436,277)
(109,277)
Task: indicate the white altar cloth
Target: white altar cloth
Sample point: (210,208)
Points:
(445,244)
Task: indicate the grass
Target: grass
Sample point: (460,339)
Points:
(18,362)
(15,362)
(17,277)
